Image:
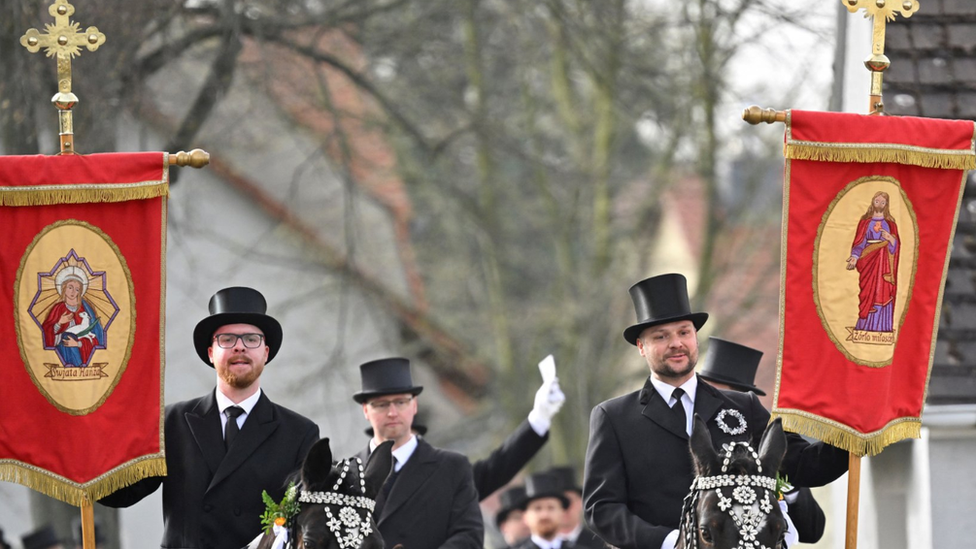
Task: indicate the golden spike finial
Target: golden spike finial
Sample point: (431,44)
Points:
(882,11)
(63,40)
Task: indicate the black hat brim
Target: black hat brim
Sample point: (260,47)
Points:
(632,333)
(203,333)
(362,397)
(737,385)
(561,497)
(420,429)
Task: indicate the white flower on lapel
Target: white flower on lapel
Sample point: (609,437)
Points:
(738,429)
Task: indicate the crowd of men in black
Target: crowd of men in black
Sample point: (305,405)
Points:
(234,442)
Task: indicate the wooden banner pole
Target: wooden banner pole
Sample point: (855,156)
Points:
(87,524)
(853,496)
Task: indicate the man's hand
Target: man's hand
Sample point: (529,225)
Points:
(791,537)
(549,398)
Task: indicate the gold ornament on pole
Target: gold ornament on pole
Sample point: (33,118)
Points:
(63,40)
(882,11)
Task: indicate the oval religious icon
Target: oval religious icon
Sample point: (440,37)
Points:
(74,315)
(864,268)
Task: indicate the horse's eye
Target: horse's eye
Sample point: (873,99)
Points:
(706,534)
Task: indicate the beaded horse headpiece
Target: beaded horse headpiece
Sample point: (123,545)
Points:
(355,512)
(347,508)
(748,499)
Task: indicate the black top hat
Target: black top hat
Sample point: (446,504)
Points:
(543,485)
(511,499)
(237,305)
(566,477)
(386,376)
(42,538)
(418,426)
(659,300)
(732,364)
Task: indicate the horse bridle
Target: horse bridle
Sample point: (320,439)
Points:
(356,527)
(743,492)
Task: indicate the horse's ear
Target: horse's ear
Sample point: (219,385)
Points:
(378,467)
(773,447)
(702,451)
(318,463)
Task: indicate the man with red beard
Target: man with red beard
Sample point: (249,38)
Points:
(638,466)
(224,448)
(545,510)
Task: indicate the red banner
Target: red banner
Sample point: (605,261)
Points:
(870,209)
(82,274)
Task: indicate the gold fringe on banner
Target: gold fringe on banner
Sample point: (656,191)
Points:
(82,194)
(73,493)
(844,437)
(881,152)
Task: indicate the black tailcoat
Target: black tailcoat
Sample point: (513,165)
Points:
(807,516)
(639,468)
(433,503)
(211,498)
(507,460)
(527,543)
(586,540)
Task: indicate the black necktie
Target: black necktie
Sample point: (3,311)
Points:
(678,410)
(388,485)
(385,490)
(232,429)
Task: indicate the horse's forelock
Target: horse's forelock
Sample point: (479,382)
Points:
(742,462)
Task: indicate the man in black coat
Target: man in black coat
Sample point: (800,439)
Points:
(544,509)
(572,530)
(732,367)
(429,499)
(224,448)
(638,466)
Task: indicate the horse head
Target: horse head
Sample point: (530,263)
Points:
(336,501)
(732,503)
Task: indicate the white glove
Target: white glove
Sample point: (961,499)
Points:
(792,537)
(548,399)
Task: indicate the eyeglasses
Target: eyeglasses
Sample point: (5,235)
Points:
(227,341)
(384,405)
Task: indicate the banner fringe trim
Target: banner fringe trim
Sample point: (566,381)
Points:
(34,196)
(847,152)
(75,494)
(845,438)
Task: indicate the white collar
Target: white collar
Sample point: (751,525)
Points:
(402,454)
(690,388)
(574,534)
(556,542)
(248,403)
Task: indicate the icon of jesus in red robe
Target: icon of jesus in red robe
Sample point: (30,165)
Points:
(875,254)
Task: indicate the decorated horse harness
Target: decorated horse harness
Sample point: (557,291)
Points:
(746,490)
(350,528)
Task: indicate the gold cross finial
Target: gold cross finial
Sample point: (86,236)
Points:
(63,40)
(882,11)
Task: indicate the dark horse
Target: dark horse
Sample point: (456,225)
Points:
(336,502)
(733,503)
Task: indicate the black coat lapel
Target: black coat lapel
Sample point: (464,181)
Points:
(258,426)
(708,400)
(204,424)
(658,411)
(421,465)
